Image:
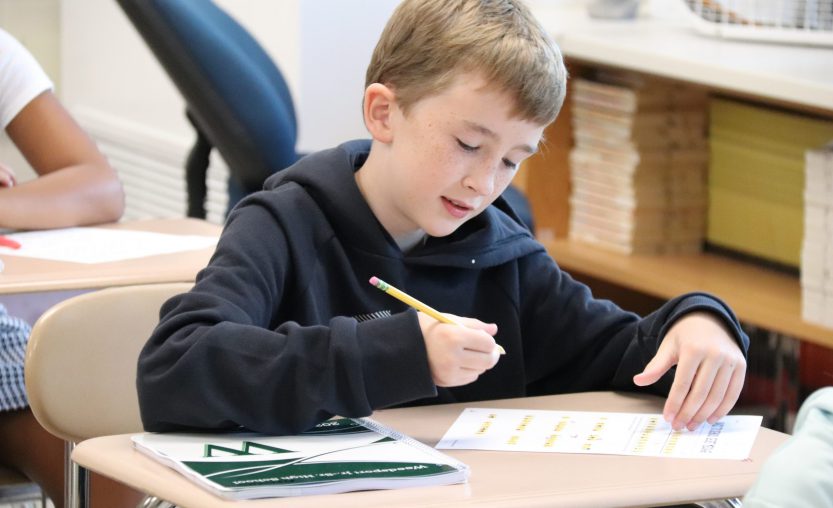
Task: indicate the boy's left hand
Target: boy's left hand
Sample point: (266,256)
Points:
(710,370)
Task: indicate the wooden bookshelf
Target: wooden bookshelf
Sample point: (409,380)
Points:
(782,76)
(759,296)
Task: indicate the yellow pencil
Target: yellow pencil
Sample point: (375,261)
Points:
(413,302)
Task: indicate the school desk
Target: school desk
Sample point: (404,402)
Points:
(497,478)
(29,275)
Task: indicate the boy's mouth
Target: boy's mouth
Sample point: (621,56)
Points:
(457,209)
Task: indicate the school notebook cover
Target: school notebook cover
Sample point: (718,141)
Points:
(339,455)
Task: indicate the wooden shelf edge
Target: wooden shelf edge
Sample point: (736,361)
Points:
(759,296)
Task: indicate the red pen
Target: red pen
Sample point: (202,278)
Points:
(8,242)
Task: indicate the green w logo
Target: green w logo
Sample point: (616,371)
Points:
(247,448)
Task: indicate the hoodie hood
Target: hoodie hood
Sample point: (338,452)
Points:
(494,237)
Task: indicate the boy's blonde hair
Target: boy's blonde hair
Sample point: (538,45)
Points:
(428,43)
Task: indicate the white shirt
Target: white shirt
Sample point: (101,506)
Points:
(21,78)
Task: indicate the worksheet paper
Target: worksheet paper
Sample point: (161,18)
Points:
(599,433)
(101,245)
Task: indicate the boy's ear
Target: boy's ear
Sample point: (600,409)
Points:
(379,102)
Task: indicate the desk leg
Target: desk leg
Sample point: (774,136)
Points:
(77,482)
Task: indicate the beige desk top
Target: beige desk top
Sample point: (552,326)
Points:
(497,478)
(26,275)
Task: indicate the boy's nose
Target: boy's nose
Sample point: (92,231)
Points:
(481,180)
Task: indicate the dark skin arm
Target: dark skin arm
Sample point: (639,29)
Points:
(76,185)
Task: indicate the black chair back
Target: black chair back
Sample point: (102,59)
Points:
(236,97)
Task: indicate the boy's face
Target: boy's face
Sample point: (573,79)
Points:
(450,157)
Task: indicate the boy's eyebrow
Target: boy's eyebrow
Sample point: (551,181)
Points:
(491,134)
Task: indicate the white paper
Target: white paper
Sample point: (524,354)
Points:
(642,434)
(100,245)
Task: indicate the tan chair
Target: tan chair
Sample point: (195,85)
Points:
(81,367)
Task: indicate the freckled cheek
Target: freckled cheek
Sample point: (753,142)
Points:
(437,168)
(431,162)
(502,181)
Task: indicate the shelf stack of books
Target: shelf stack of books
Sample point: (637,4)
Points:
(816,361)
(756,178)
(638,166)
(817,247)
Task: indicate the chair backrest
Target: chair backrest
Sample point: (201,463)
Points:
(235,93)
(81,360)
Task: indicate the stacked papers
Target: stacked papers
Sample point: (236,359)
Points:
(817,246)
(638,166)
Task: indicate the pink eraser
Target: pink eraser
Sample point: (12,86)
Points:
(374,281)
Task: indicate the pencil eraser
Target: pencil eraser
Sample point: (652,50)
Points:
(374,281)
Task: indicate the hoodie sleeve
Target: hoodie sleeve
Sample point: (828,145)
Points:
(220,358)
(579,343)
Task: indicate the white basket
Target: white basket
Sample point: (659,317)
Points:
(784,21)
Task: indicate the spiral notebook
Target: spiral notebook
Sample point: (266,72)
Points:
(339,455)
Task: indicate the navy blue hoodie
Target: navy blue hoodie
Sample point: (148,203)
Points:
(282,330)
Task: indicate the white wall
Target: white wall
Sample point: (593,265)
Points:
(337,39)
(321,46)
(118,91)
(34,23)
(108,69)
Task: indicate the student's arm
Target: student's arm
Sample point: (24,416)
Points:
(224,355)
(76,185)
(573,342)
(592,344)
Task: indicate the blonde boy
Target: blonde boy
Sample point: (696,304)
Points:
(282,329)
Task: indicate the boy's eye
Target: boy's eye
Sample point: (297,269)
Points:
(466,147)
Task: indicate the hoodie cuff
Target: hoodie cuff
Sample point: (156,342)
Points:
(395,362)
(693,302)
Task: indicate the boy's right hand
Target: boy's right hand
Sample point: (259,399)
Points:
(457,355)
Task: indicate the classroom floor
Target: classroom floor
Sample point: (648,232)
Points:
(35,503)
(22,496)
